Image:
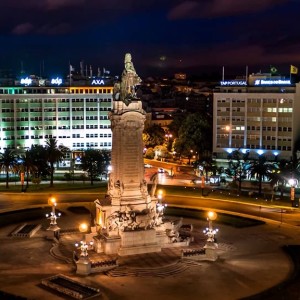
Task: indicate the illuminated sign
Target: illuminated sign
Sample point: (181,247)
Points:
(97,82)
(26,81)
(234,83)
(57,81)
(272,82)
(42,82)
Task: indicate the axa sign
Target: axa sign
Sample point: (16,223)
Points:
(97,82)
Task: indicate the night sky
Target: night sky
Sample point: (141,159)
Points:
(163,36)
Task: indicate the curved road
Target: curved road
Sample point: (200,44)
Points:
(288,215)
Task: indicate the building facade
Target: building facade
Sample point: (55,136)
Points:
(260,115)
(76,115)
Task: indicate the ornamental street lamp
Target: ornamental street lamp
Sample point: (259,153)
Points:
(53,216)
(210,232)
(83,245)
(211,243)
(83,264)
(160,194)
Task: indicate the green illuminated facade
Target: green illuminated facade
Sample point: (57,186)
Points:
(77,116)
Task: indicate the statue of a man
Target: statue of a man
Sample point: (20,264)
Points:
(129,81)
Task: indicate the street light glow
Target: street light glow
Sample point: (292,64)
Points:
(83,227)
(212,215)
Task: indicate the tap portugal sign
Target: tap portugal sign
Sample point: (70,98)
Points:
(234,83)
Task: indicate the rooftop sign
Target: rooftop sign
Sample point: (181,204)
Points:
(56,81)
(97,81)
(234,83)
(272,82)
(26,81)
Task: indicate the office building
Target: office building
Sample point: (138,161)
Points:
(260,115)
(75,113)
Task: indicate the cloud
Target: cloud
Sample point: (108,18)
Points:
(219,8)
(58,4)
(24,28)
(56,29)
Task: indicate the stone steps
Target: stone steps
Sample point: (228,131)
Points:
(163,271)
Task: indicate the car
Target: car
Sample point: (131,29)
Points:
(147,166)
(161,170)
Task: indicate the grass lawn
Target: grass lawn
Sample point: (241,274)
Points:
(61,187)
(226,219)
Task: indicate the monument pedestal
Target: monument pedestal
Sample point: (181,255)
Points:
(83,266)
(137,242)
(211,251)
(52,232)
(107,244)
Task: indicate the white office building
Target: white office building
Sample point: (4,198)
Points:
(260,115)
(76,114)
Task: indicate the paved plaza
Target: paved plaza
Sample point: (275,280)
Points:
(250,261)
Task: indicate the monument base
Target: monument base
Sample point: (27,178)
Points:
(106,244)
(83,266)
(211,251)
(138,242)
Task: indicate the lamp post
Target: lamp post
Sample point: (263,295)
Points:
(83,245)
(160,194)
(168,136)
(83,264)
(210,231)
(292,183)
(211,244)
(53,229)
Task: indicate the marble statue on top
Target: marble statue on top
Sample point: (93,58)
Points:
(126,90)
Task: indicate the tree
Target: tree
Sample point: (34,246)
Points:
(95,162)
(153,136)
(176,124)
(28,165)
(194,134)
(8,161)
(161,152)
(54,154)
(260,169)
(237,165)
(39,159)
(283,171)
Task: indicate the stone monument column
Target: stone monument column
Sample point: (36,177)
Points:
(127,185)
(128,219)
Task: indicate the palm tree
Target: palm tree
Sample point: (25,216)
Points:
(38,154)
(237,165)
(260,169)
(8,162)
(28,165)
(54,154)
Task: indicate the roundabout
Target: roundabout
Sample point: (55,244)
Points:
(251,260)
